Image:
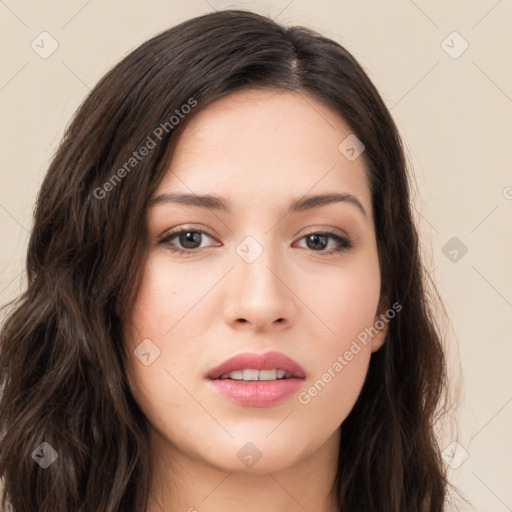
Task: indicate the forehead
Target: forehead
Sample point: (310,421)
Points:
(265,143)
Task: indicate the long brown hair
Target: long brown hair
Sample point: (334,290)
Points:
(63,363)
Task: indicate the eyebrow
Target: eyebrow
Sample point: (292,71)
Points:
(218,203)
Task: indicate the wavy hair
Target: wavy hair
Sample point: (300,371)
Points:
(63,362)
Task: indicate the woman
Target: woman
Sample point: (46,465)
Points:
(225,300)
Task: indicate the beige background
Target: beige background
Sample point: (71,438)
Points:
(455,118)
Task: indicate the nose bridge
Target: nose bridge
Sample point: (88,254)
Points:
(255,259)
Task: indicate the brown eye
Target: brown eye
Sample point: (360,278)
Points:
(188,241)
(319,242)
(184,241)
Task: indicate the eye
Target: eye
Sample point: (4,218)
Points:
(190,239)
(318,241)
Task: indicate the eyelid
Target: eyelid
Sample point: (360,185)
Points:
(313,230)
(327,230)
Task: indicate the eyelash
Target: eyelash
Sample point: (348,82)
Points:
(344,242)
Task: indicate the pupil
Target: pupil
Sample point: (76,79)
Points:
(190,237)
(315,238)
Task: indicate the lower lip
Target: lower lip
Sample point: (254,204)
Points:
(257,393)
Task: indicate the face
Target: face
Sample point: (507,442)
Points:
(256,277)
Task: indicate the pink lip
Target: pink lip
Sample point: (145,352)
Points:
(257,393)
(265,361)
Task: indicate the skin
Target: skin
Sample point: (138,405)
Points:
(203,308)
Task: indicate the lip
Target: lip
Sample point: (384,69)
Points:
(265,361)
(261,393)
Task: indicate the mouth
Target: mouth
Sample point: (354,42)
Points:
(254,366)
(252,374)
(257,380)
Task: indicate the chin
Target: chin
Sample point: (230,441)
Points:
(256,455)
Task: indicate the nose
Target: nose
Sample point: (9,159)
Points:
(260,298)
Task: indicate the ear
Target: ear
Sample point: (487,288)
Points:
(381,323)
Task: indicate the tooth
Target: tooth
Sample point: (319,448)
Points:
(251,374)
(267,375)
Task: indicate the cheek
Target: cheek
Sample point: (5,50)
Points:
(346,303)
(165,312)
(333,391)
(160,314)
(346,300)
(165,297)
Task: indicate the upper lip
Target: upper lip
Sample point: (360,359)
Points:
(265,361)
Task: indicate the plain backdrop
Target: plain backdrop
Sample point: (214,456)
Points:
(443,69)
